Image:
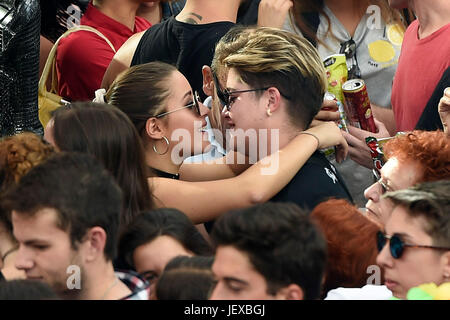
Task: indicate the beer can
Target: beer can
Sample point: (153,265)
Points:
(357,99)
(336,66)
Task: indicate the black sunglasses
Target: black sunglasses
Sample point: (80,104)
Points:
(225,98)
(349,49)
(194,104)
(397,246)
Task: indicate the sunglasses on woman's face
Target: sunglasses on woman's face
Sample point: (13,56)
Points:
(194,104)
(397,246)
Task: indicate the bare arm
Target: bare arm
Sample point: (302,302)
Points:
(222,168)
(273,13)
(205,201)
(122,60)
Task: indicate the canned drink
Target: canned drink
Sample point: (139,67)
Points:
(376,149)
(359,110)
(376,153)
(337,73)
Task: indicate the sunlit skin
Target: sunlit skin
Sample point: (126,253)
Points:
(398,4)
(416,266)
(45,250)
(396,175)
(186,120)
(236,277)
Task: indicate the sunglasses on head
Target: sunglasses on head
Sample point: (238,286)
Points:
(194,104)
(397,246)
(349,49)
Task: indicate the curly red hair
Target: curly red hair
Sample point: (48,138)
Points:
(351,243)
(18,154)
(430,149)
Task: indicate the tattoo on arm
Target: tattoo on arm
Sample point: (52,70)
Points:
(192,20)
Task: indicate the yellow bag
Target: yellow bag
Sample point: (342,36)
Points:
(49,101)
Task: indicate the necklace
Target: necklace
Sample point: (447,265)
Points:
(109,289)
(164,174)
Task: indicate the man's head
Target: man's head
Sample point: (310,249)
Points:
(418,231)
(269,251)
(276,80)
(65,212)
(415,157)
(215,77)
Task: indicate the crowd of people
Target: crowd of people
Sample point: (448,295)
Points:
(190,159)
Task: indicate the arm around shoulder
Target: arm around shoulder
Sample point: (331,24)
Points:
(121,60)
(205,201)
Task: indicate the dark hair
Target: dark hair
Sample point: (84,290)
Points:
(431,201)
(161,222)
(26,290)
(140,91)
(106,133)
(282,244)
(351,248)
(82,192)
(186,278)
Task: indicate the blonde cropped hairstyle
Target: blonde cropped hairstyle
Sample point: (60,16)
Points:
(272,57)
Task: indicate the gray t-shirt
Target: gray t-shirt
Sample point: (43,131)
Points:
(377,53)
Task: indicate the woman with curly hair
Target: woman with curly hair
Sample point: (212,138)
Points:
(419,156)
(18,154)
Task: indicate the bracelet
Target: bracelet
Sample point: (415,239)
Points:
(312,135)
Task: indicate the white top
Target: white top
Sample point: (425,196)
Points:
(216,150)
(368,292)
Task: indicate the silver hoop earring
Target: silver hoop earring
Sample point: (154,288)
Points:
(167,149)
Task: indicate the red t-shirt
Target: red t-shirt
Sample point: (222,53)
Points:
(421,65)
(83,57)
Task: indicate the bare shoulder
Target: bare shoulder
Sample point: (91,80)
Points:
(122,59)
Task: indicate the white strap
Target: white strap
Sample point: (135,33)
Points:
(90,29)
